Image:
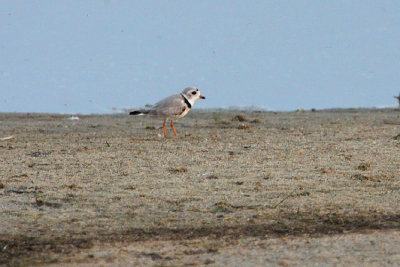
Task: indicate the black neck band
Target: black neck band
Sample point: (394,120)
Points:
(187,101)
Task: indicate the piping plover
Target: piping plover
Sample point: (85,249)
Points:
(172,107)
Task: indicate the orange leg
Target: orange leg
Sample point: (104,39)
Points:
(173,129)
(165,129)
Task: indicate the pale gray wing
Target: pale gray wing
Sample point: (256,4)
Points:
(170,106)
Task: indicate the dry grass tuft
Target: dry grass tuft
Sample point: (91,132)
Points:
(178,170)
(222,207)
(240,117)
(365,178)
(364,166)
(224,122)
(130,187)
(256,121)
(243,127)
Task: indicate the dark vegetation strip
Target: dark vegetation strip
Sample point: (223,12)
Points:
(20,250)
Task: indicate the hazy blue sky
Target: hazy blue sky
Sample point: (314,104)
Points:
(91,56)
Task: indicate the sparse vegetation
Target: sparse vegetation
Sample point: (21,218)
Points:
(212,177)
(240,117)
(67,198)
(364,166)
(177,170)
(256,121)
(243,127)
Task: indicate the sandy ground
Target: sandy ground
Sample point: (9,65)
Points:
(264,188)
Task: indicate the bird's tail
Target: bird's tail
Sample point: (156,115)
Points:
(139,112)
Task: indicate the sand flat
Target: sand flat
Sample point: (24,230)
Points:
(109,189)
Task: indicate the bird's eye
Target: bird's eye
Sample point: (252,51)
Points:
(193,93)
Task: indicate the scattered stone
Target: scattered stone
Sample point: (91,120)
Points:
(73,118)
(212,250)
(39,201)
(267,176)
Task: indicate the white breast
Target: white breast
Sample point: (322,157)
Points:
(184,112)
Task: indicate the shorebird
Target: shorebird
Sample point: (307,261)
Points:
(172,107)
